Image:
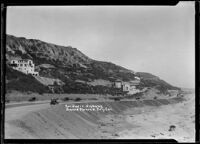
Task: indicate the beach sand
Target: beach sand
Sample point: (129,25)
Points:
(153,122)
(149,119)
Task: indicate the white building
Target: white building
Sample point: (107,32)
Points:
(26,66)
(126,86)
(118,84)
(129,87)
(133,90)
(137,78)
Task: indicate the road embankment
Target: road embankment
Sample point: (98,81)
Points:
(44,121)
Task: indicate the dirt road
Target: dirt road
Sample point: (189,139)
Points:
(128,119)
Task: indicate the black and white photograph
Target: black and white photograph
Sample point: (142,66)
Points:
(100,72)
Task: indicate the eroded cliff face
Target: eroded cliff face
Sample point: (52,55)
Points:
(38,49)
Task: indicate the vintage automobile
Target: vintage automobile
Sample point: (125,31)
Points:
(137,98)
(54,101)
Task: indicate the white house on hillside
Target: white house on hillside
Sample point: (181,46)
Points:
(129,87)
(118,84)
(126,86)
(26,66)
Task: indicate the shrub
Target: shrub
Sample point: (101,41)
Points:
(115,135)
(172,128)
(155,97)
(137,98)
(102,124)
(55,83)
(66,99)
(32,99)
(77,99)
(40,92)
(93,99)
(140,94)
(116,99)
(158,92)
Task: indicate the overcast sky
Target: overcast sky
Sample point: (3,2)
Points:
(155,39)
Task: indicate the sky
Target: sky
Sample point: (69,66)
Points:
(155,39)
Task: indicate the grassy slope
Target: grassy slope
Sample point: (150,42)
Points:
(21,82)
(150,80)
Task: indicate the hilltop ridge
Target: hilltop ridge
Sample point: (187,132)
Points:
(72,67)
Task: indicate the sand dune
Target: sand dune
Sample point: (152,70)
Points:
(126,119)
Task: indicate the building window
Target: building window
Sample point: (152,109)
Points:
(21,64)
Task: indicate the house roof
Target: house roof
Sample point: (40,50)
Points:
(21,60)
(118,80)
(26,60)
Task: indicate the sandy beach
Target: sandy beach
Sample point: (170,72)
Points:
(151,122)
(145,119)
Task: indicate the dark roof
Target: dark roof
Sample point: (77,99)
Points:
(118,80)
(24,60)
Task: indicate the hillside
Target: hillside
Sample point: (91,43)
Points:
(150,80)
(18,81)
(77,71)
